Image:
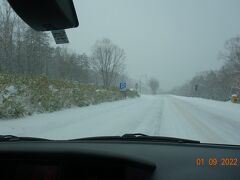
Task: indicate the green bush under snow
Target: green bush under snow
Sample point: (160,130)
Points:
(22,95)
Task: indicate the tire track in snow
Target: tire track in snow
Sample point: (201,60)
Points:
(137,116)
(190,120)
(152,118)
(229,124)
(207,125)
(158,121)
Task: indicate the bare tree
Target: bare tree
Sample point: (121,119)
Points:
(154,85)
(231,55)
(108,61)
(7,25)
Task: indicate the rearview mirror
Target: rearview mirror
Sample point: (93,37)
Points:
(46,15)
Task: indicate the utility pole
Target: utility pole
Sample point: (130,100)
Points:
(140,87)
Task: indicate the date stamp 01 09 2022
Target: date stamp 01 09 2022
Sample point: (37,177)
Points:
(217,162)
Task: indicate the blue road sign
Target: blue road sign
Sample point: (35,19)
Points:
(122,86)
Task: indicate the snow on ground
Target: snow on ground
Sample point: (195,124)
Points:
(193,118)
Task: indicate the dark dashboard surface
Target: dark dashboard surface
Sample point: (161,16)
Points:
(117,160)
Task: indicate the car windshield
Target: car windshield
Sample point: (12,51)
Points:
(157,67)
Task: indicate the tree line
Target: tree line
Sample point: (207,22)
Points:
(219,84)
(25,51)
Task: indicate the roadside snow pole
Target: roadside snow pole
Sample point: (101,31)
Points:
(234,98)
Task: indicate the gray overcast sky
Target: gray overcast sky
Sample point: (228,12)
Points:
(171,40)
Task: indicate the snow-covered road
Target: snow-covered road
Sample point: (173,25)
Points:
(164,115)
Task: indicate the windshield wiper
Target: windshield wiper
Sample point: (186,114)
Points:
(17,138)
(158,138)
(140,137)
(125,137)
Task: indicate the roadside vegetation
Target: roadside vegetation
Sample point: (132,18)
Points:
(22,95)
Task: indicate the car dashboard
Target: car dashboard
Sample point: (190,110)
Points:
(59,160)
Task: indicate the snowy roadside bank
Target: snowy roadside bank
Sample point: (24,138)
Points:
(22,95)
